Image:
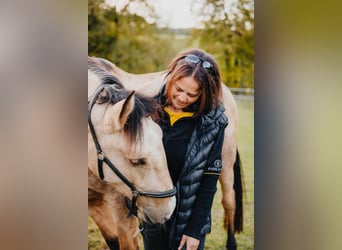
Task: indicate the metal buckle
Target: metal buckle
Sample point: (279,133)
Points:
(100,155)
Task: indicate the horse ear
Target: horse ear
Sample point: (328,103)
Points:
(116,116)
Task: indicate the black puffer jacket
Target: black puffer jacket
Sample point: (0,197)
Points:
(204,136)
(199,147)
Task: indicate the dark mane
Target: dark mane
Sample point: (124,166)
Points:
(115,92)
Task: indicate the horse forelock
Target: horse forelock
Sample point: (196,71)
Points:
(114,92)
(143,108)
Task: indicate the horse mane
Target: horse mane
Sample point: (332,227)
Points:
(115,92)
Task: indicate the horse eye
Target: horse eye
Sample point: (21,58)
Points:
(137,162)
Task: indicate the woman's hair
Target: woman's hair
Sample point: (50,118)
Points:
(204,71)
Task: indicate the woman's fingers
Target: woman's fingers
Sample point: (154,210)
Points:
(189,242)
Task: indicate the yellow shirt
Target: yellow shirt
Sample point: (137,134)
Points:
(175,116)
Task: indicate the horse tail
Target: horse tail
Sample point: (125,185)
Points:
(239,188)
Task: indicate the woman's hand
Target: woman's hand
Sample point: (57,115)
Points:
(189,242)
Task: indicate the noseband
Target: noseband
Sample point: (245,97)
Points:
(101,157)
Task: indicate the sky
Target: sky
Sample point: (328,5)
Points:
(172,13)
(176,13)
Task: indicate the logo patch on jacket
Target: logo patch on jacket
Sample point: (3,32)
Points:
(215,168)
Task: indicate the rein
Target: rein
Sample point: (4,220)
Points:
(101,157)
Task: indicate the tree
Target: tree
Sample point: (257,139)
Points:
(126,38)
(229,36)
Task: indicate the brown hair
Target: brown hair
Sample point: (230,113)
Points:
(209,80)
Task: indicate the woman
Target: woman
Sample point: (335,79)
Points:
(193,124)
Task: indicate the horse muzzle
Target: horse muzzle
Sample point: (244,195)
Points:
(156,211)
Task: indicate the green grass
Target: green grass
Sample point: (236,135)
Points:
(95,240)
(217,239)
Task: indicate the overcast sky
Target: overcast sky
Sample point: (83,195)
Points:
(176,13)
(173,13)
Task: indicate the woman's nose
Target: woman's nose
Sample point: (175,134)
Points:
(182,97)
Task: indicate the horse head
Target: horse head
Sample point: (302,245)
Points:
(130,144)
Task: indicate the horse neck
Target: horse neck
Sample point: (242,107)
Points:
(93,83)
(152,87)
(148,84)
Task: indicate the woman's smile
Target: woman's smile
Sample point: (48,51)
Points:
(184,93)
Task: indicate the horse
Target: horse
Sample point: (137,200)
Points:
(231,178)
(128,176)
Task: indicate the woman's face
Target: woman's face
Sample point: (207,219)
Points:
(184,92)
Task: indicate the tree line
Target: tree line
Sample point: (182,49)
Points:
(137,45)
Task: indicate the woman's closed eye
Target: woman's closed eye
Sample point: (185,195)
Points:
(189,94)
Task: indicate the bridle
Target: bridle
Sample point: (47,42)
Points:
(101,157)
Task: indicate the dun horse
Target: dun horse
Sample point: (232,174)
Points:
(127,168)
(231,179)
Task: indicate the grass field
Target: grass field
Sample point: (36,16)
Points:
(216,240)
